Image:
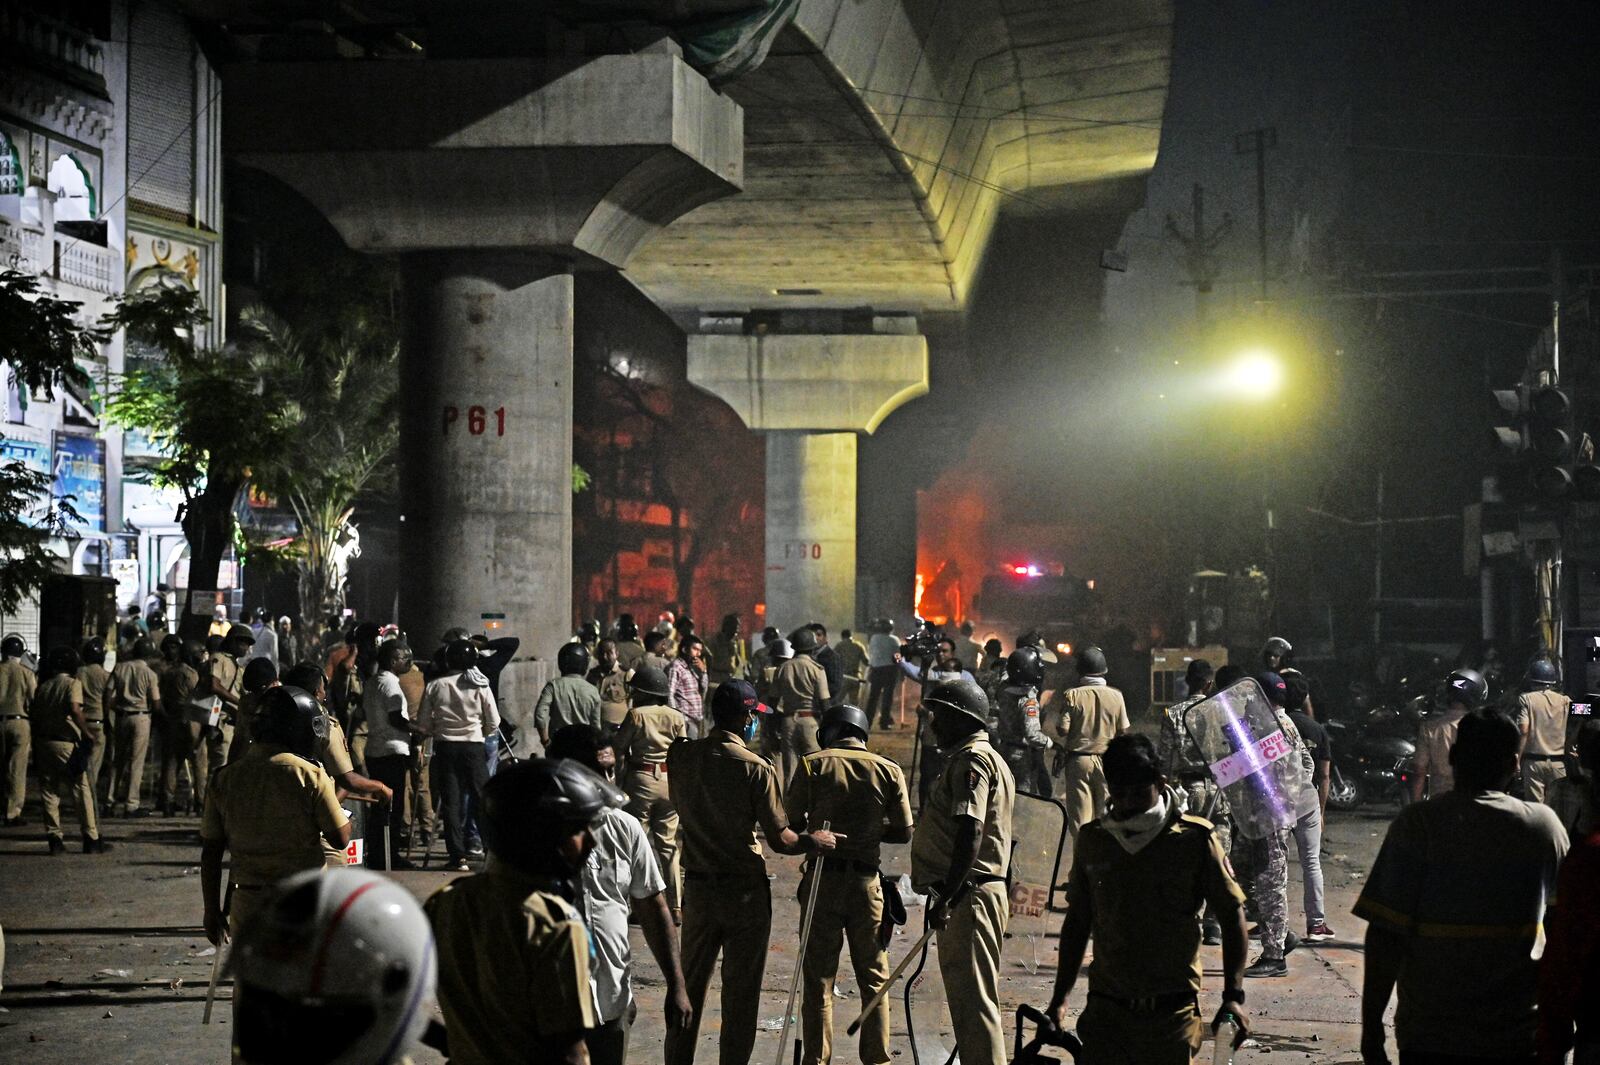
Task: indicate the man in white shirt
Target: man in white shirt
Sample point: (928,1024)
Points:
(383,704)
(882,673)
(621,877)
(458,710)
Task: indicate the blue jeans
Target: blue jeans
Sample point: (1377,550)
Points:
(1308,841)
(491,758)
(460,770)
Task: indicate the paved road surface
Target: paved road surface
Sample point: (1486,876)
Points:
(106,963)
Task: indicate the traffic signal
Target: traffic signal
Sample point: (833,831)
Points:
(1535,435)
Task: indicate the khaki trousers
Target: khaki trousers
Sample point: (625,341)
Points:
(1537,776)
(99,735)
(787,739)
(16,740)
(218,742)
(849,907)
(420,798)
(731,916)
(53,779)
(184,746)
(1085,794)
(650,802)
(133,744)
(1115,1035)
(969,962)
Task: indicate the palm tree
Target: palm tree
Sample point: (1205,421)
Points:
(340,406)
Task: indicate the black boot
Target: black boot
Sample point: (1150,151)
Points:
(95,846)
(56,845)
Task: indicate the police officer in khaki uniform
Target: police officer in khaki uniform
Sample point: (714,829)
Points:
(1092,715)
(136,695)
(800,691)
(58,727)
(17,685)
(513,953)
(332,752)
(183,732)
(612,683)
(862,795)
(224,680)
(273,811)
(1542,712)
(960,854)
(95,680)
(419,797)
(648,732)
(1139,875)
(723,791)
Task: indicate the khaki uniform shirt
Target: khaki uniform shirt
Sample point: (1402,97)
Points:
(723,790)
(17,685)
(1435,737)
(1544,715)
(858,793)
(96,680)
(629,652)
(800,684)
(852,658)
(178,683)
(513,967)
(1092,716)
(271,808)
(1143,907)
(613,688)
(648,732)
(726,656)
(224,669)
(135,686)
(976,783)
(412,685)
(52,714)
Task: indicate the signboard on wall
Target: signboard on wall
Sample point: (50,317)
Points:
(80,472)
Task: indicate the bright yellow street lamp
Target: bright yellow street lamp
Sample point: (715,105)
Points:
(1255,374)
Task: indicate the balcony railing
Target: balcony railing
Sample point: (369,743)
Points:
(65,259)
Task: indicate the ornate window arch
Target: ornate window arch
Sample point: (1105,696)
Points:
(76,200)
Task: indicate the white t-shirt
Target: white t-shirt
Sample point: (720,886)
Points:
(381,697)
(621,868)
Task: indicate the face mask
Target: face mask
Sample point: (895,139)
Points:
(750,731)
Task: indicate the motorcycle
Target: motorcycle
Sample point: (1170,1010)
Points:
(1372,759)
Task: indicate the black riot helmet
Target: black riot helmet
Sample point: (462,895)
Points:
(843,722)
(1467,687)
(1276,652)
(62,660)
(171,647)
(962,697)
(460,655)
(238,640)
(1091,661)
(627,628)
(1025,667)
(144,647)
(13,647)
(573,658)
(258,674)
(649,686)
(94,651)
(290,718)
(531,806)
(1542,673)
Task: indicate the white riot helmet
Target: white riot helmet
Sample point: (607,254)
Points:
(337,969)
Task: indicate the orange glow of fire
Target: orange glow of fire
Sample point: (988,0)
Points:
(916,603)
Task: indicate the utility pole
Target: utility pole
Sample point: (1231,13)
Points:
(1199,249)
(1548,555)
(1257,141)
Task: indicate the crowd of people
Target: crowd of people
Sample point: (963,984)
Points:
(666,760)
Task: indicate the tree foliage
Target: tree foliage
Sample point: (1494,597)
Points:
(339,395)
(41,341)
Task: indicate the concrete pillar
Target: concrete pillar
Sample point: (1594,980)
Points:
(811,529)
(493,177)
(812,394)
(486,455)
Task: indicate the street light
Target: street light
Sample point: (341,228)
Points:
(1255,374)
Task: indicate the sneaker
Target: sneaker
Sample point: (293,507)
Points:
(1265,966)
(457,866)
(1210,933)
(1319,933)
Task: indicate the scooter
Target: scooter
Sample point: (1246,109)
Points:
(1371,760)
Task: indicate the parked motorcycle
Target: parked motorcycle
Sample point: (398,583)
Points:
(1372,759)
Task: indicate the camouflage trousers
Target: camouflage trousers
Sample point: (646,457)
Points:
(1202,798)
(1269,859)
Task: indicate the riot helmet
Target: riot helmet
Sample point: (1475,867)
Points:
(291,718)
(1467,687)
(531,807)
(843,722)
(804,641)
(962,697)
(144,647)
(780,650)
(13,647)
(1025,667)
(1542,672)
(259,673)
(627,628)
(1275,652)
(238,640)
(336,969)
(62,660)
(460,655)
(650,681)
(573,658)
(94,651)
(171,647)
(1091,661)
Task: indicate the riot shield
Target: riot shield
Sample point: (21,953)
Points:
(1038,837)
(1238,733)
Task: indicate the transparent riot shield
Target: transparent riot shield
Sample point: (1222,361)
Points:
(1238,733)
(1038,881)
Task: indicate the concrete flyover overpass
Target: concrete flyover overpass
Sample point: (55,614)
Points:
(809,225)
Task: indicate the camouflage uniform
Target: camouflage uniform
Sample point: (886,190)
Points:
(1021,742)
(1188,772)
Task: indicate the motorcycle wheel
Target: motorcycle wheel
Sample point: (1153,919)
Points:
(1345,793)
